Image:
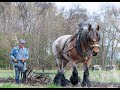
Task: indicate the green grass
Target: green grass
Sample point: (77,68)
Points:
(99,76)
(10,85)
(105,76)
(53,86)
(6,73)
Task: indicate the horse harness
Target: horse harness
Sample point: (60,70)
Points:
(77,46)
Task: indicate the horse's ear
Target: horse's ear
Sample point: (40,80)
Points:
(89,28)
(97,28)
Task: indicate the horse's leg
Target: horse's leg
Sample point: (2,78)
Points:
(57,78)
(64,81)
(86,81)
(62,65)
(58,65)
(60,77)
(74,79)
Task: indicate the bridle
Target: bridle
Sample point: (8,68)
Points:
(93,45)
(90,46)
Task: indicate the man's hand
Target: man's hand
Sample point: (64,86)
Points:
(15,60)
(23,60)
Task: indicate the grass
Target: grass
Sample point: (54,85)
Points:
(53,86)
(6,73)
(105,76)
(99,76)
(10,85)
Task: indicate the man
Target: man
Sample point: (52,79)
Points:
(19,56)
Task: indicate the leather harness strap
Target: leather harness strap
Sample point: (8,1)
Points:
(78,46)
(65,43)
(66,53)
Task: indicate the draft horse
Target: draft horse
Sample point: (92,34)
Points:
(76,48)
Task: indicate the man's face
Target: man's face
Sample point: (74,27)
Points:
(21,45)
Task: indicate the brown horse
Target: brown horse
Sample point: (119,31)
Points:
(77,48)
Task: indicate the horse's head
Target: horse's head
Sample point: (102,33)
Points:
(93,39)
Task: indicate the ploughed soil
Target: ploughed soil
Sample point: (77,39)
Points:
(94,84)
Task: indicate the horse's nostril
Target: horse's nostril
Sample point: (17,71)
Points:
(95,53)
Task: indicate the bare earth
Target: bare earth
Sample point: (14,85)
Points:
(94,84)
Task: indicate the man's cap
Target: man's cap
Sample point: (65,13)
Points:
(22,41)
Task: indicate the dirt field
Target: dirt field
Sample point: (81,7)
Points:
(94,84)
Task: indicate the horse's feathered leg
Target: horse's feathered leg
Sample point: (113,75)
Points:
(57,78)
(64,81)
(60,77)
(74,79)
(86,81)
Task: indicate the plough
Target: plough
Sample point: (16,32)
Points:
(33,78)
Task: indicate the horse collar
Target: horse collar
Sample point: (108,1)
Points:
(78,46)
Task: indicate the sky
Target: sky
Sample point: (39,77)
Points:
(90,6)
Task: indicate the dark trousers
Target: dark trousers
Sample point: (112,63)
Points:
(17,75)
(19,70)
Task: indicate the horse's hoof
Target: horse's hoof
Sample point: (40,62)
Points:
(83,84)
(88,85)
(64,81)
(58,83)
(57,80)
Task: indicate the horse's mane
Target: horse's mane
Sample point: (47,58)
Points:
(83,37)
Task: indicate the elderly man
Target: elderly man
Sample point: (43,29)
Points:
(19,55)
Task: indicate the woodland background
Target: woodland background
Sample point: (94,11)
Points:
(40,23)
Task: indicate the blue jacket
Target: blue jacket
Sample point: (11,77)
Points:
(19,53)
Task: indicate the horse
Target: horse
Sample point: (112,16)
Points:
(77,48)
